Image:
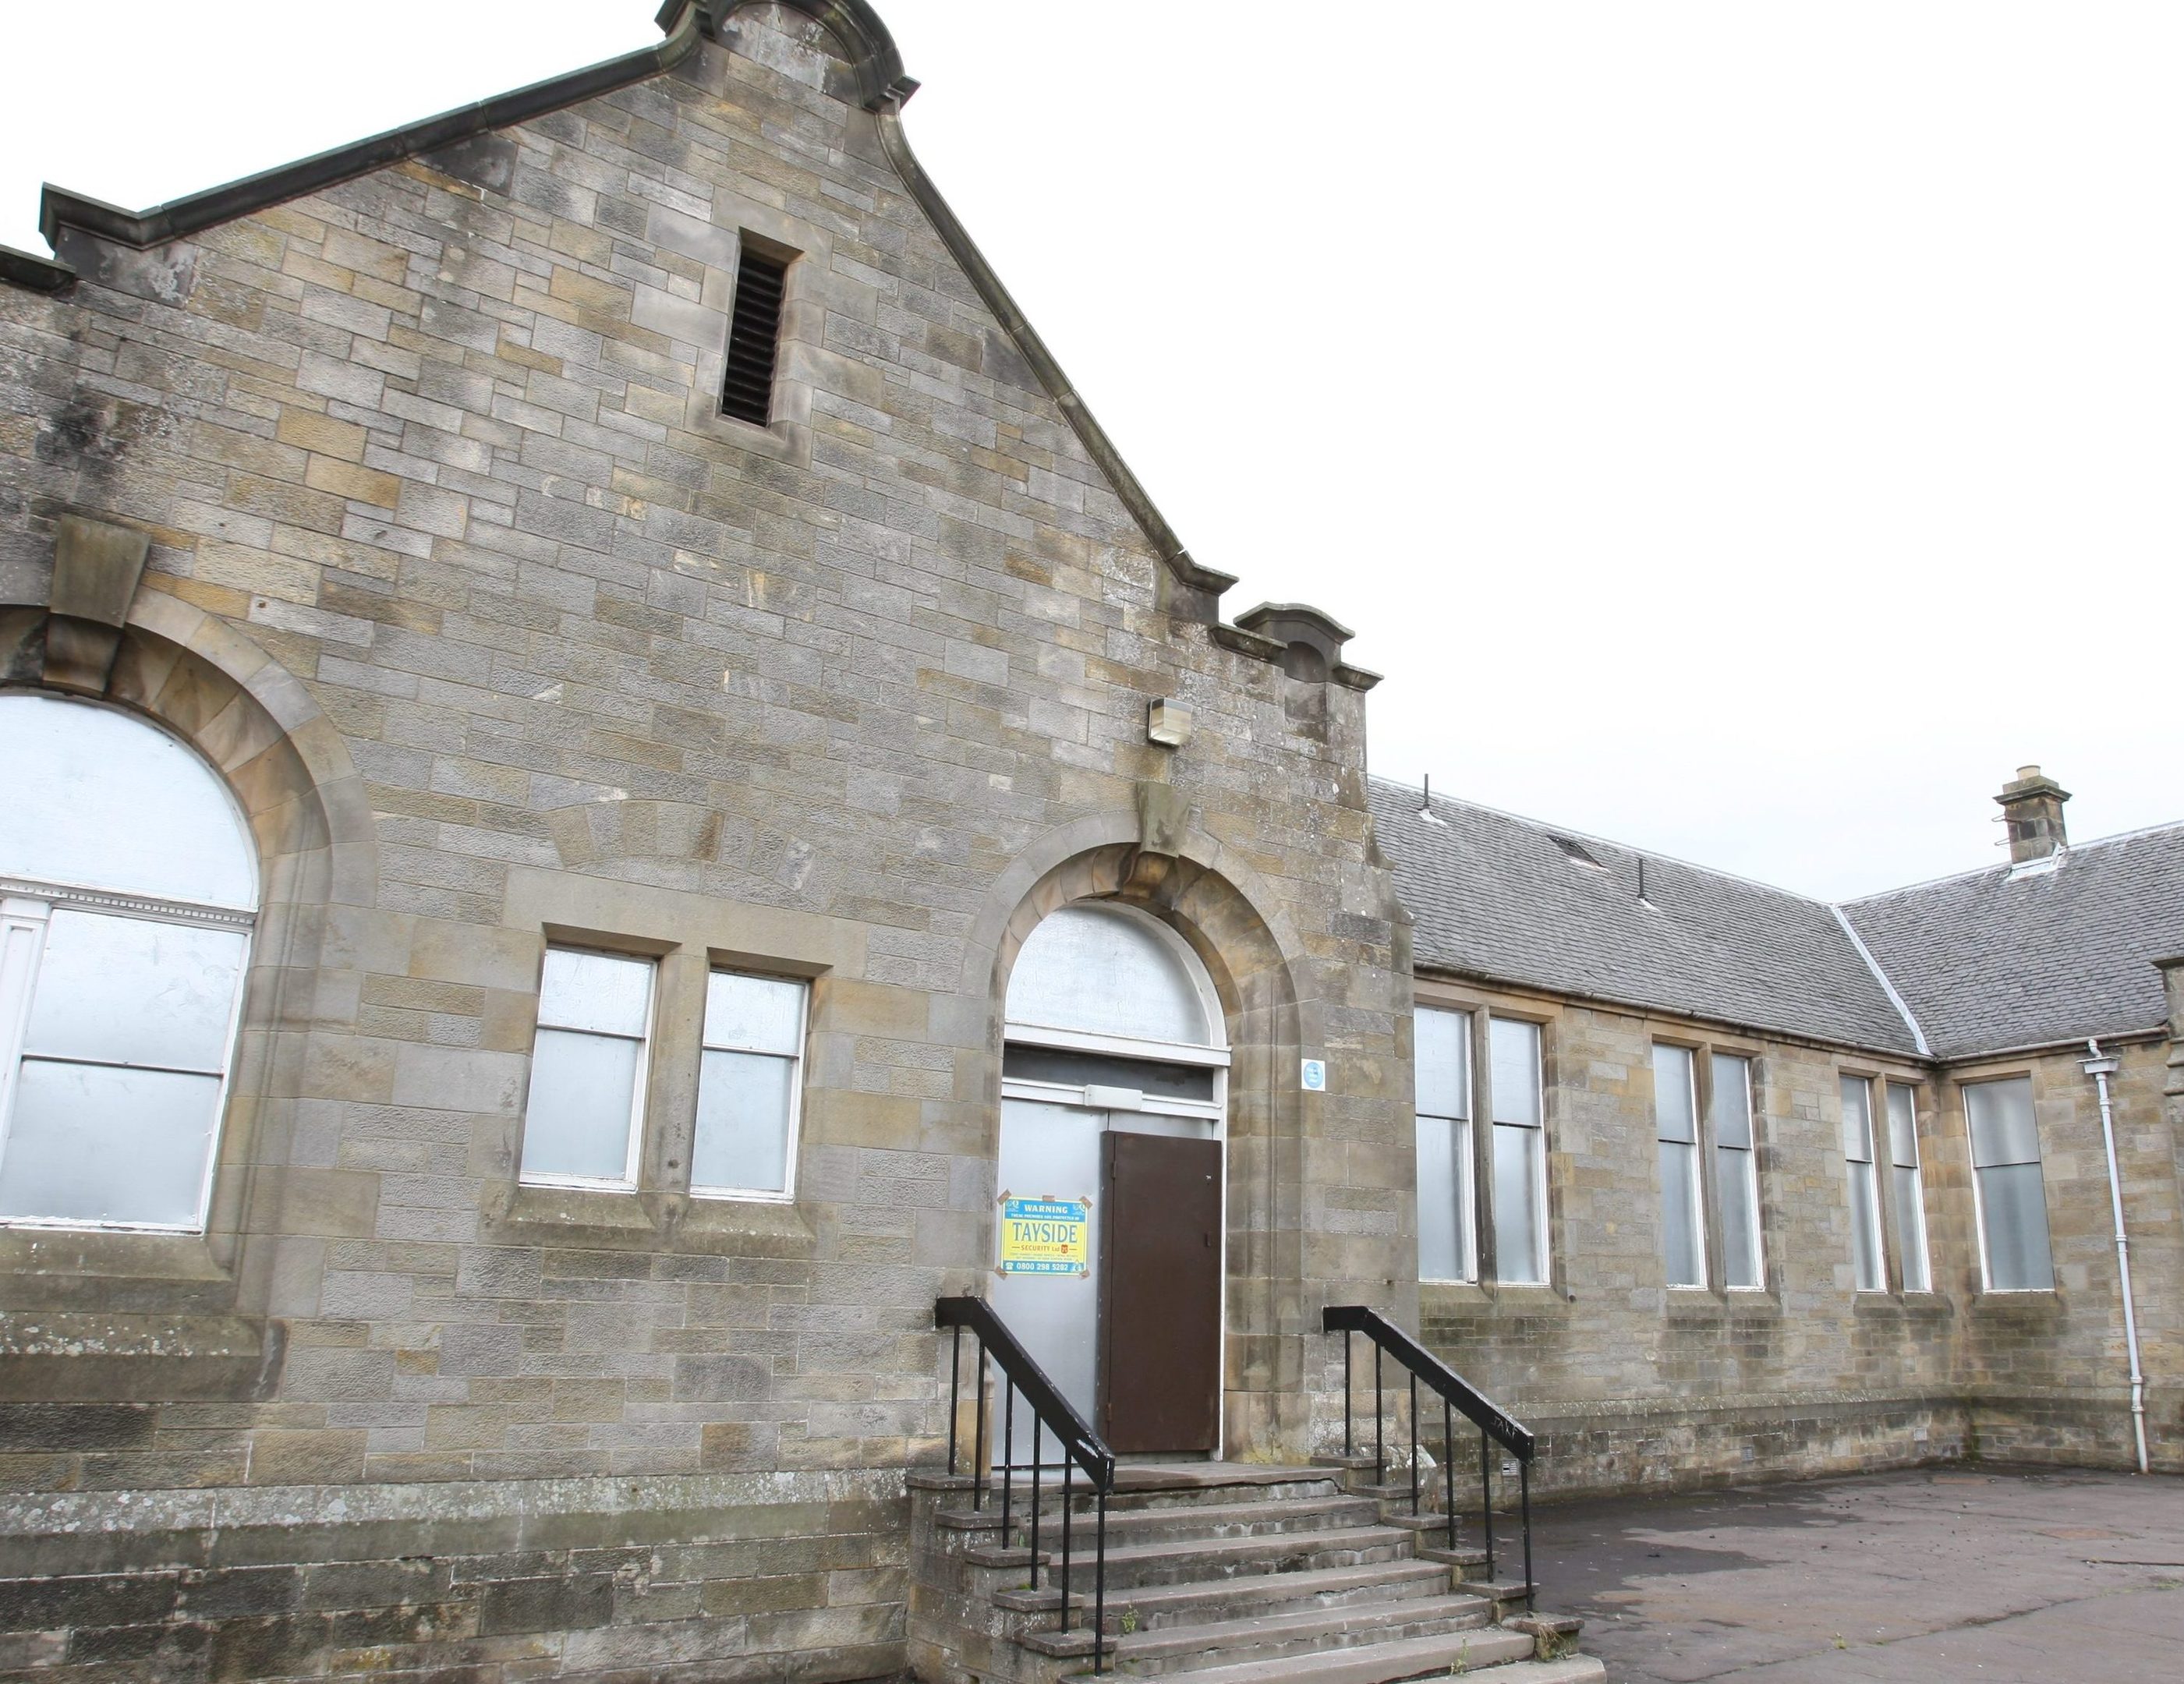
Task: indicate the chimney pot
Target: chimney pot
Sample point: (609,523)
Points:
(2032,808)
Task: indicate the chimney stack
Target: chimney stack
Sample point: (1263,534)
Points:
(2032,807)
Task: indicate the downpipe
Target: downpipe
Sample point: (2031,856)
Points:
(2100,1067)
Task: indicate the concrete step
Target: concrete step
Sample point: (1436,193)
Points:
(1508,1596)
(1175,1485)
(1443,1653)
(1154,1608)
(1269,1636)
(1399,1490)
(1186,1560)
(1206,1521)
(1509,1652)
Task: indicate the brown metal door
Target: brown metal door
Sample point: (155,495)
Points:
(1160,1301)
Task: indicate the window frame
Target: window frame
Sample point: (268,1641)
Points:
(1915,1244)
(1464,1150)
(1703,1234)
(1541,1157)
(1748,1154)
(797,1062)
(632,1178)
(1863,1081)
(1979,1186)
(14,1036)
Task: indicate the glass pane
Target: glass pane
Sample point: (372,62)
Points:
(1902,1127)
(2013,1208)
(584,1095)
(764,1014)
(131,991)
(1443,1199)
(1520,1255)
(1857,1119)
(594,991)
(1911,1228)
(90,1143)
(1444,1040)
(100,799)
(1098,970)
(1739,1216)
(1730,1106)
(743,1122)
(1516,1071)
(1675,1110)
(2003,1129)
(1025,1062)
(1865,1230)
(1679,1214)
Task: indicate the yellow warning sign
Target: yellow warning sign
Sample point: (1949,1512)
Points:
(1046,1236)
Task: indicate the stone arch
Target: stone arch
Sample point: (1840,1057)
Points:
(308,815)
(1267,985)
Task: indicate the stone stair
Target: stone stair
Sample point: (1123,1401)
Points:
(1228,1573)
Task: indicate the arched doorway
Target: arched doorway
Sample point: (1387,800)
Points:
(1110,1237)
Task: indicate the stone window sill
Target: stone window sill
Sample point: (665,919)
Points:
(1691,1305)
(2041,1305)
(646,1221)
(1463,1297)
(1925,1305)
(125,1358)
(50,1266)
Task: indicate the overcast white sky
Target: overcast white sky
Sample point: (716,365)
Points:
(1744,431)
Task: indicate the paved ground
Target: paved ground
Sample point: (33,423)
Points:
(1922,1578)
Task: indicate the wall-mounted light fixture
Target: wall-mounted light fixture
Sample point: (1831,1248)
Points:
(1168,723)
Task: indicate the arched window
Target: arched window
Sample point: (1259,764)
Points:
(128,890)
(1104,997)
(1105,970)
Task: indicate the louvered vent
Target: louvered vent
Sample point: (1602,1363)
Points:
(754,335)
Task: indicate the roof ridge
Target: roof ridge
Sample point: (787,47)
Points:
(1551,830)
(2006,866)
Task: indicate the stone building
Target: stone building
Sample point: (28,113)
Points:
(1823,1186)
(604,759)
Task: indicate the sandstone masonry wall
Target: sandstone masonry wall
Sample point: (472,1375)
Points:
(1635,1383)
(433,476)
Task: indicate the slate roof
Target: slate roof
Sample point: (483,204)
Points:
(1498,897)
(1997,959)
(1985,962)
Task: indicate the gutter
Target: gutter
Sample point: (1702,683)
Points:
(33,273)
(1971,1061)
(1503,982)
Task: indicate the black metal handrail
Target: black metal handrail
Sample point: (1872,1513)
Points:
(1081,1447)
(1495,1425)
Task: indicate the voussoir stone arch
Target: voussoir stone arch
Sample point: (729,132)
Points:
(1266,982)
(308,816)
